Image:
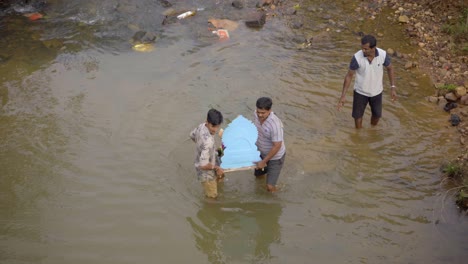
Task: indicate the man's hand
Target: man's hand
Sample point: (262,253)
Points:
(394,95)
(341,103)
(219,171)
(346,83)
(219,174)
(261,164)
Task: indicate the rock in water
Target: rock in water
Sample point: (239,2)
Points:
(455,119)
(238,4)
(165,3)
(142,37)
(256,20)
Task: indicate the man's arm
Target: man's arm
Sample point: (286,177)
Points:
(392,81)
(205,158)
(347,81)
(192,134)
(208,166)
(276,147)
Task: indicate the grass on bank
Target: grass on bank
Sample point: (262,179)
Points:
(458,30)
(443,89)
(457,172)
(448,87)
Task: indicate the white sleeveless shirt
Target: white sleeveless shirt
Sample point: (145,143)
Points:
(369,75)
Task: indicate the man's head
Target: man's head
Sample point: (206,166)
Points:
(263,108)
(214,118)
(368,44)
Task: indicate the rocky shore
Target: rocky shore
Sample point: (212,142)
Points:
(440,31)
(442,57)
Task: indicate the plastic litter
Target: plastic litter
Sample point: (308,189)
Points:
(222,33)
(34,16)
(143,47)
(186,14)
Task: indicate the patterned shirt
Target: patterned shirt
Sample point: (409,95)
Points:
(270,131)
(205,152)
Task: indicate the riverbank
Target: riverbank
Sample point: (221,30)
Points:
(438,33)
(439,29)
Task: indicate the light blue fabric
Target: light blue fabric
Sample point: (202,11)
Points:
(239,139)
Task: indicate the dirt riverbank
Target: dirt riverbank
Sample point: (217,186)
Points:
(439,30)
(438,36)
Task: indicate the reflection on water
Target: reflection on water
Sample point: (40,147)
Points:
(237,232)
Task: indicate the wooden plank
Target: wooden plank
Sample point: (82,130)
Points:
(240,169)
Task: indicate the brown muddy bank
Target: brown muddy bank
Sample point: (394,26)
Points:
(439,31)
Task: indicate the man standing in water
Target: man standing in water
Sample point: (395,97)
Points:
(205,162)
(270,143)
(368,65)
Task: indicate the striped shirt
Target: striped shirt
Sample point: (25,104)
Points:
(270,131)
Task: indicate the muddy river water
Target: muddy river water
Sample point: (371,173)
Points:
(96,165)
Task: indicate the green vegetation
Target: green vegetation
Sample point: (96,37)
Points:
(444,89)
(462,197)
(448,87)
(452,170)
(458,30)
(457,173)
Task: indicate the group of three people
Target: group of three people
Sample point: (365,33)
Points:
(367,64)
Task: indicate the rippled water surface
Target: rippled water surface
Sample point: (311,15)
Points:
(96,165)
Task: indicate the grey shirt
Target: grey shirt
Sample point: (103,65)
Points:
(270,131)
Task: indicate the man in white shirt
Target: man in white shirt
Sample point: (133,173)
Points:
(368,64)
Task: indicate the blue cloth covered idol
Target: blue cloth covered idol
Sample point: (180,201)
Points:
(239,140)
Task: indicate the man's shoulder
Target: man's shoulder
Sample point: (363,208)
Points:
(381,51)
(383,57)
(275,119)
(202,131)
(199,129)
(206,136)
(275,115)
(358,54)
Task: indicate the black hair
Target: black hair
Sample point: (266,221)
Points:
(369,39)
(264,103)
(214,117)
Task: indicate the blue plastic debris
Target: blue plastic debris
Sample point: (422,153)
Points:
(239,139)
